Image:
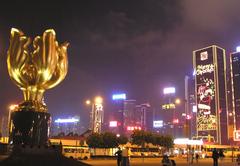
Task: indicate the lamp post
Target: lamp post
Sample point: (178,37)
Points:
(89,103)
(187,118)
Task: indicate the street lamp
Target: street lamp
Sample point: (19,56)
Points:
(88,102)
(177,101)
(98,100)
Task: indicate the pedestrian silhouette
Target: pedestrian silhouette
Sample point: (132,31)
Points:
(166,161)
(215,156)
(125,155)
(197,157)
(119,156)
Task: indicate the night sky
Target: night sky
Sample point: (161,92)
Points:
(132,46)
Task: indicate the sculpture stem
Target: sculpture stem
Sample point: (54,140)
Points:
(33,94)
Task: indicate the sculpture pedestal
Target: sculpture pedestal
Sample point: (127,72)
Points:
(29,127)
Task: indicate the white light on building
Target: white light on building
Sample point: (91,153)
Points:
(157,123)
(238,49)
(169,90)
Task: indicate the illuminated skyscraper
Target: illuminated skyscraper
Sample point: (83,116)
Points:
(116,120)
(97,116)
(144,116)
(190,107)
(169,106)
(210,88)
(130,116)
(235,82)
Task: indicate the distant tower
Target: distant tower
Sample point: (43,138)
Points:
(190,106)
(210,88)
(186,106)
(235,82)
(129,115)
(117,113)
(97,115)
(144,116)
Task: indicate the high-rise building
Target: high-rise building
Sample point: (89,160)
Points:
(116,118)
(97,116)
(144,116)
(211,99)
(131,118)
(169,106)
(190,107)
(235,83)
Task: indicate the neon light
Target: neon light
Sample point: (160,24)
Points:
(202,69)
(204,55)
(188,117)
(194,72)
(175,121)
(71,120)
(113,124)
(203,106)
(186,141)
(131,128)
(168,106)
(236,135)
(119,96)
(194,109)
(238,49)
(99,107)
(206,122)
(157,123)
(169,90)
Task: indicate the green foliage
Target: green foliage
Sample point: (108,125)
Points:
(109,140)
(104,140)
(140,137)
(167,141)
(122,139)
(95,140)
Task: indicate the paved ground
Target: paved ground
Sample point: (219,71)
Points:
(157,162)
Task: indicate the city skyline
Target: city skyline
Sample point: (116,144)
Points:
(138,49)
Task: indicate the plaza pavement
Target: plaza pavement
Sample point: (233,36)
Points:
(157,162)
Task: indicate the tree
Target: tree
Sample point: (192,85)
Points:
(149,137)
(167,141)
(109,140)
(122,139)
(95,140)
(138,137)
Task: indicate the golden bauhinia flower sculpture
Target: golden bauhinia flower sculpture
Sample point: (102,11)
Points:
(38,68)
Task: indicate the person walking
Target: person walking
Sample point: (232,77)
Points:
(238,159)
(119,156)
(197,157)
(215,156)
(166,161)
(125,157)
